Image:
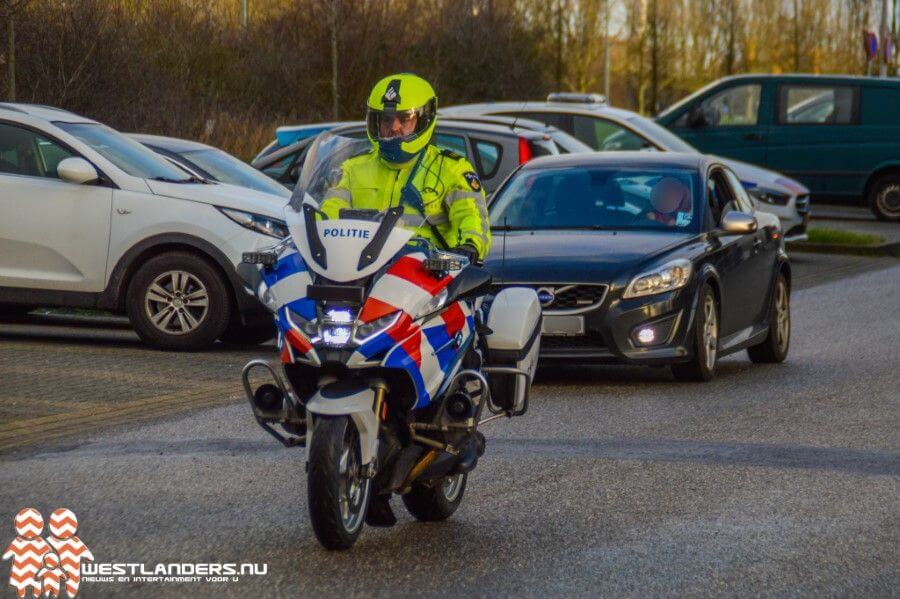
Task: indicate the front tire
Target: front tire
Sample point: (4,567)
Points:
(884,198)
(702,366)
(338,493)
(438,502)
(775,347)
(178,301)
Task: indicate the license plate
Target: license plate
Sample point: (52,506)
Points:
(564,326)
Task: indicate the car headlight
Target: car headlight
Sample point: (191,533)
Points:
(365,331)
(257,222)
(769,197)
(668,277)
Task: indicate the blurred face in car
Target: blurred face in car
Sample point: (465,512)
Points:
(670,195)
(399,124)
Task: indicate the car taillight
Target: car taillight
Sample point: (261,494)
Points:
(525,152)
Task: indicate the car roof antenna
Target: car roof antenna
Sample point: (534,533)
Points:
(516,119)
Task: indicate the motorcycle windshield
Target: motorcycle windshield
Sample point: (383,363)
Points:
(343,230)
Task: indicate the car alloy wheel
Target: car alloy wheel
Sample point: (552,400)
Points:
(176,302)
(710,331)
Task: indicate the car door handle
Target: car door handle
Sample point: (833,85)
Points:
(753,137)
(123,210)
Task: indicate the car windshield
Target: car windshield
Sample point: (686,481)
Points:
(660,135)
(228,169)
(599,198)
(127,154)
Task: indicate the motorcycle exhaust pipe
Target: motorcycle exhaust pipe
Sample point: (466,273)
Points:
(274,403)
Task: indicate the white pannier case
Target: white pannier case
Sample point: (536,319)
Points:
(514,320)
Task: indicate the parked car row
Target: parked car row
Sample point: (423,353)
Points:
(838,135)
(110,224)
(606,129)
(170,263)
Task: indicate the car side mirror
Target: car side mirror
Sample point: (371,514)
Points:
(77,170)
(738,223)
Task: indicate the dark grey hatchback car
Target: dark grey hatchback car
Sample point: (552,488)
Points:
(656,259)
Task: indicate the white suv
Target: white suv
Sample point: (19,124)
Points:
(90,218)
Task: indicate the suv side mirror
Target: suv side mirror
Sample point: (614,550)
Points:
(738,223)
(77,170)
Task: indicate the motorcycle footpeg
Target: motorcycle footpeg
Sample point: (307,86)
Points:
(380,513)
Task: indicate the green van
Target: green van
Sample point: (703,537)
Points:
(837,134)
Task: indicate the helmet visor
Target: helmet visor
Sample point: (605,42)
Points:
(388,124)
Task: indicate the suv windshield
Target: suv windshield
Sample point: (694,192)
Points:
(228,169)
(127,154)
(598,198)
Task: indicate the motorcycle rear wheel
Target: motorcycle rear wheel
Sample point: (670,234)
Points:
(337,490)
(432,504)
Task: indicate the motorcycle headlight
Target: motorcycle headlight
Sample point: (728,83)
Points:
(668,277)
(368,330)
(257,222)
(310,328)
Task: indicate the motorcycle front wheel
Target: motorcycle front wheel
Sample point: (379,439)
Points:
(337,490)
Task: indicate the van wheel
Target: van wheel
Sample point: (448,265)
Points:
(884,198)
(178,301)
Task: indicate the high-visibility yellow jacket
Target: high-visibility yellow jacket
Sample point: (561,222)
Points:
(451,192)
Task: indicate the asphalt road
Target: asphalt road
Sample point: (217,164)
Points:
(770,480)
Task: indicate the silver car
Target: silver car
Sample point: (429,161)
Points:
(604,128)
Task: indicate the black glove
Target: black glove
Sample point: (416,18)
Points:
(468,250)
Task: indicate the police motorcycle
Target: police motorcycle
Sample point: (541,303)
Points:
(392,354)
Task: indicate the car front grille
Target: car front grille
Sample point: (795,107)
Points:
(566,298)
(802,204)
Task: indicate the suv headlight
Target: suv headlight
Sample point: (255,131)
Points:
(769,197)
(257,222)
(668,277)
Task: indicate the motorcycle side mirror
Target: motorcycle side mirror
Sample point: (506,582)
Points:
(472,282)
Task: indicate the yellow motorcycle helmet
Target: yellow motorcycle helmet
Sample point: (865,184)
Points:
(401,116)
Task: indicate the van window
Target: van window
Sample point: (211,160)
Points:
(736,106)
(817,105)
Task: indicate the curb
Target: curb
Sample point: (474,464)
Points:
(884,249)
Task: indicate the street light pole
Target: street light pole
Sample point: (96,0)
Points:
(245,13)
